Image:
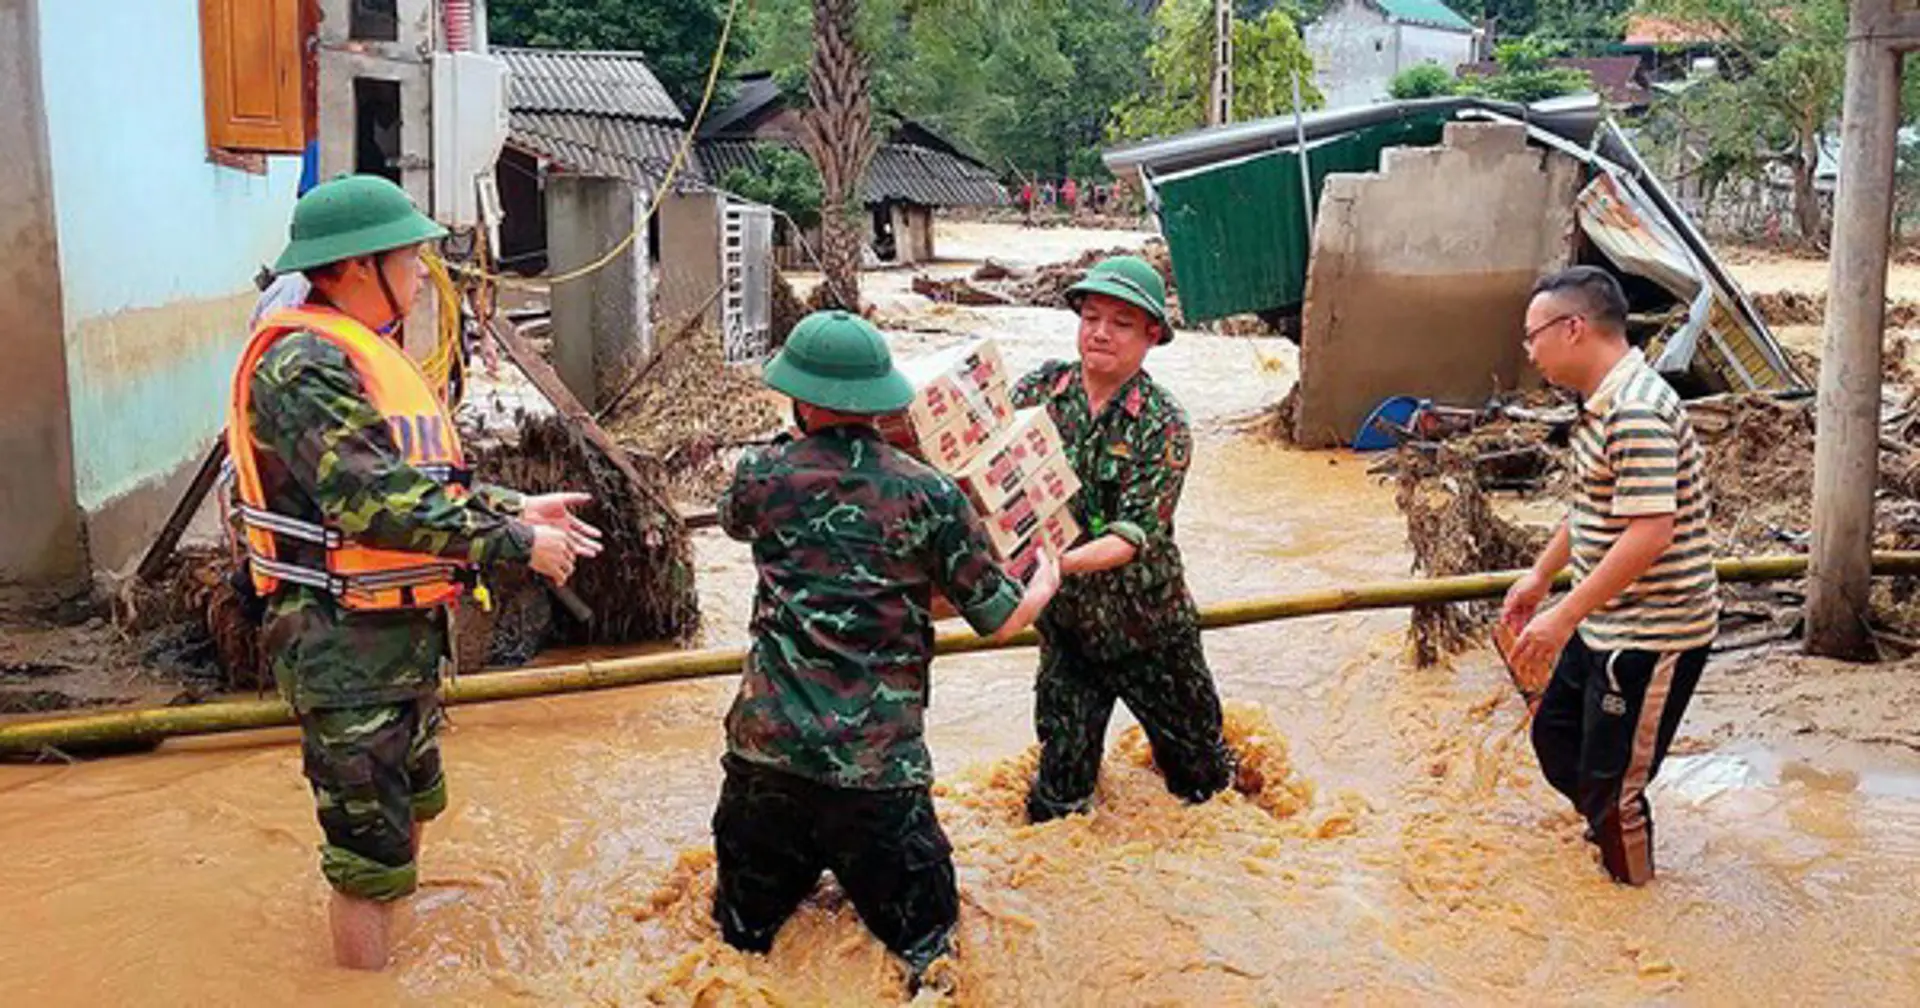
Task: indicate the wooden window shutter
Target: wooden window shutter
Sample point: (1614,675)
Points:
(252,52)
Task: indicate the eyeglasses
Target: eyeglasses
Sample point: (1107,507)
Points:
(1536,331)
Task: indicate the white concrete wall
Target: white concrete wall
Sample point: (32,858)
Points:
(1357,51)
(1354,54)
(1420,44)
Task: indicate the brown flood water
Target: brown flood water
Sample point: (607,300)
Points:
(1402,851)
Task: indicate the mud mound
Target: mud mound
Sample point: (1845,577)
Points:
(641,587)
(1759,469)
(1799,308)
(1105,890)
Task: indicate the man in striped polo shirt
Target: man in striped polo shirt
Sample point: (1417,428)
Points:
(1632,635)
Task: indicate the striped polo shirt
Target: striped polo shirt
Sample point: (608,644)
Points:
(1635,455)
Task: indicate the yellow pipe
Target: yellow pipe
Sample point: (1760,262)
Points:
(130,728)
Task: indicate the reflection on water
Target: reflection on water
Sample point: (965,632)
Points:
(1402,850)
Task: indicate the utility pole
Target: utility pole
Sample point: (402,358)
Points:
(1846,461)
(1220,100)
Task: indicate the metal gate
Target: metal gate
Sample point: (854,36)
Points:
(746,268)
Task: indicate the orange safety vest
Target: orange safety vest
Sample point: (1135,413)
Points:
(360,577)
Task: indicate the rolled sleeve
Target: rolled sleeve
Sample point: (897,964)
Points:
(965,569)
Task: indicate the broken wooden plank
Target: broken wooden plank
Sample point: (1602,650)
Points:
(575,414)
(157,555)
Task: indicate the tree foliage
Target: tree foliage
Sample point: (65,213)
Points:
(1585,27)
(1031,84)
(1781,83)
(784,179)
(1428,80)
(1267,54)
(677,36)
(1524,73)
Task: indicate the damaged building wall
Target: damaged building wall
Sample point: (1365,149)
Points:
(689,224)
(601,328)
(348,120)
(157,250)
(42,542)
(1420,274)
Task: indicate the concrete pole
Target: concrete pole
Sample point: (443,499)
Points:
(1847,451)
(600,321)
(1220,100)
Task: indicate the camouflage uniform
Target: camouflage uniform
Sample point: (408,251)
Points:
(1133,633)
(826,764)
(362,683)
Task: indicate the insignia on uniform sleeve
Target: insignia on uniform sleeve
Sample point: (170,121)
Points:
(1178,453)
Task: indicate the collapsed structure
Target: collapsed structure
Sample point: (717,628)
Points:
(1405,237)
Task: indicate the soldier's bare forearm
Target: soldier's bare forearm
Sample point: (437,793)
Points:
(1103,554)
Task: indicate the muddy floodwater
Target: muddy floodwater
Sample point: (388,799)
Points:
(1402,849)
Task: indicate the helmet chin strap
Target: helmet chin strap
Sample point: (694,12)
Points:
(396,327)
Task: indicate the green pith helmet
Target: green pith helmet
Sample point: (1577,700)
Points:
(839,361)
(1131,279)
(353,216)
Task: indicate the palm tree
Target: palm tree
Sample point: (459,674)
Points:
(838,135)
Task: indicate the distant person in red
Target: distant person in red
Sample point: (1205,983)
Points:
(1070,197)
(1026,201)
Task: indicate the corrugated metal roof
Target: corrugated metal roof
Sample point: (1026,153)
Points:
(898,172)
(601,145)
(752,94)
(591,83)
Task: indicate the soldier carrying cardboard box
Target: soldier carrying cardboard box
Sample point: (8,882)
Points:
(1123,626)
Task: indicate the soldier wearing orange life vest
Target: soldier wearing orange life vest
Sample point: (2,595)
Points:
(360,528)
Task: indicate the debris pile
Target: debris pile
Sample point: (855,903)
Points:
(692,413)
(1759,462)
(996,284)
(1454,529)
(640,588)
(786,311)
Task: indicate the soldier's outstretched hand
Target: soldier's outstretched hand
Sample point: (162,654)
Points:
(555,510)
(552,553)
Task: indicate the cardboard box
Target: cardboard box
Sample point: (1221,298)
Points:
(1024,456)
(1056,534)
(965,387)
(947,449)
(1027,516)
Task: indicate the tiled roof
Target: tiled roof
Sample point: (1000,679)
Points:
(898,172)
(1643,30)
(601,145)
(1432,13)
(590,83)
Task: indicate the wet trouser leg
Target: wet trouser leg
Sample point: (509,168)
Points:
(765,858)
(1171,693)
(774,832)
(376,774)
(1072,705)
(894,861)
(1169,690)
(1602,731)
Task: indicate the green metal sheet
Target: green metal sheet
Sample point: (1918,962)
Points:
(1238,231)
